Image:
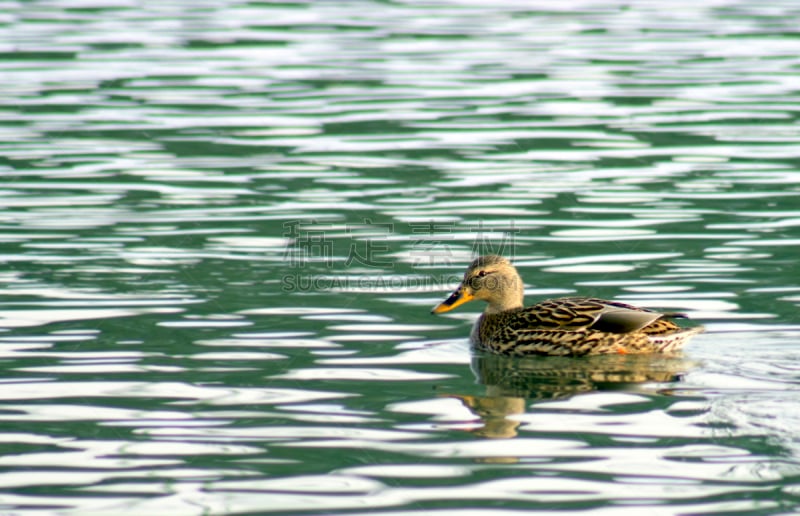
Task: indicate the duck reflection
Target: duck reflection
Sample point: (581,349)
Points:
(512,382)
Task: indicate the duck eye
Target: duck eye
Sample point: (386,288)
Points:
(482,274)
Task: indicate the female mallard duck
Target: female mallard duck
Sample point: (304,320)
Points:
(571,326)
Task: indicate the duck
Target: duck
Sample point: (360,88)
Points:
(566,326)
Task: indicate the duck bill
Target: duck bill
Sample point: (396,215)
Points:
(456,299)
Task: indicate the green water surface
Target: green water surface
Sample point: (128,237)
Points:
(223,226)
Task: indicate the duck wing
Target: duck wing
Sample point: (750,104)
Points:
(585,313)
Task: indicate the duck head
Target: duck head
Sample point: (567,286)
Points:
(490,278)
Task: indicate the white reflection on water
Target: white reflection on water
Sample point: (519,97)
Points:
(39,317)
(212,395)
(371,374)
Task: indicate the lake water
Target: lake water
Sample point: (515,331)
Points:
(223,226)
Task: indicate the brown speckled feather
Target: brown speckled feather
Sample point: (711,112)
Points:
(574,326)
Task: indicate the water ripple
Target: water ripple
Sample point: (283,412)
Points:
(224,225)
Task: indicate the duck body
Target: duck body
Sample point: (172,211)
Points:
(568,326)
(576,326)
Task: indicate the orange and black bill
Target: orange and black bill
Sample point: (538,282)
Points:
(457,298)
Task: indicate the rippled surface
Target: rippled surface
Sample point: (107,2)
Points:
(223,226)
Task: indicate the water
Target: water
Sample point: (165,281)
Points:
(224,224)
